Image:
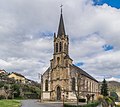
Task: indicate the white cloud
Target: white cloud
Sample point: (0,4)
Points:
(113,79)
(26,50)
(89,44)
(104,64)
(4,64)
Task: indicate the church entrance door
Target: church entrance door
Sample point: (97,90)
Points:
(58,93)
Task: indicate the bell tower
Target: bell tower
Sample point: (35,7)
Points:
(61,46)
(61,40)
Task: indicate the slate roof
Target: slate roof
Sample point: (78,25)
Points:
(61,29)
(2,71)
(17,74)
(77,69)
(46,71)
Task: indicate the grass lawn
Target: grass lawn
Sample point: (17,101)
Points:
(9,103)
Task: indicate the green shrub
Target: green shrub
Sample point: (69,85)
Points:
(2,97)
(1,84)
(66,105)
(114,95)
(91,104)
(16,90)
(87,105)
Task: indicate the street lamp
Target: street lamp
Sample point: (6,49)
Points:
(41,80)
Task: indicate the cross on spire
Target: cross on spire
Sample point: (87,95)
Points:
(61,8)
(61,29)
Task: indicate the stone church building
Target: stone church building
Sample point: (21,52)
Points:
(63,78)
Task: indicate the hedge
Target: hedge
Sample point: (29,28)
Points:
(87,105)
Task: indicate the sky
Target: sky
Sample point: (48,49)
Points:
(27,28)
(112,3)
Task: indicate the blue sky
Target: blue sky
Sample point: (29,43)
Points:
(27,28)
(113,3)
(79,64)
(108,47)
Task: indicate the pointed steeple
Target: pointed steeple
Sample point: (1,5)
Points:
(61,29)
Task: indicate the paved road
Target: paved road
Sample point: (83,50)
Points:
(35,103)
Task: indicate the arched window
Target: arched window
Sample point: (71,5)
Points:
(60,46)
(65,47)
(58,60)
(73,84)
(56,47)
(46,85)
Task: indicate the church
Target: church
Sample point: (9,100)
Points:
(63,78)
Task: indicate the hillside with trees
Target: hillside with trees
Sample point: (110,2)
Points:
(10,88)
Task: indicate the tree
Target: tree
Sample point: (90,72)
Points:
(1,84)
(79,84)
(7,90)
(88,98)
(15,90)
(104,88)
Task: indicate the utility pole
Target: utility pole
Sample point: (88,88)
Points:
(41,85)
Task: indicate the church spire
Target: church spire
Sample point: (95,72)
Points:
(61,29)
